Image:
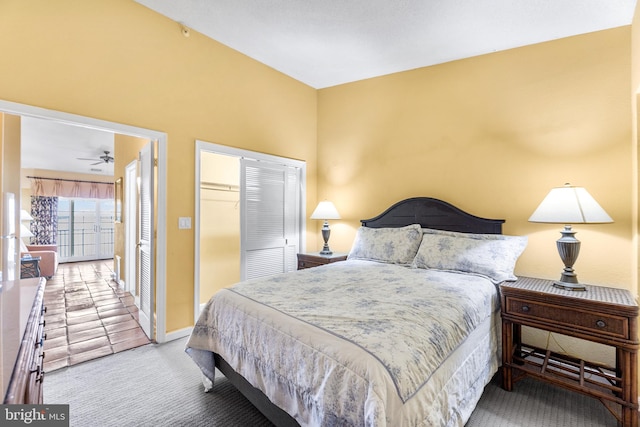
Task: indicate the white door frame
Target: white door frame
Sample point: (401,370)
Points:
(161,201)
(130,240)
(203,146)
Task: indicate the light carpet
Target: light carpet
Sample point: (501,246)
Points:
(159,385)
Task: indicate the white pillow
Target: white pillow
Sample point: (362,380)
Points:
(389,245)
(492,257)
(467,235)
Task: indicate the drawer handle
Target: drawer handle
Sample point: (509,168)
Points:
(601,324)
(525,308)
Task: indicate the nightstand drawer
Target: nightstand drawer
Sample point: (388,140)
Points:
(317,259)
(587,321)
(307,263)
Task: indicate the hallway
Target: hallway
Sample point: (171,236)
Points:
(88,315)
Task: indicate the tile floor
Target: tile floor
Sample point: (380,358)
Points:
(88,315)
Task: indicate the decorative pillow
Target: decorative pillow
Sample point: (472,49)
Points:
(390,245)
(494,258)
(467,235)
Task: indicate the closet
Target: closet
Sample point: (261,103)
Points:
(250,217)
(219,223)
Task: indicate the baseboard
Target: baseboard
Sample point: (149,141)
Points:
(180,333)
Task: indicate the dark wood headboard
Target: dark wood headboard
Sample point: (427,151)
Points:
(433,213)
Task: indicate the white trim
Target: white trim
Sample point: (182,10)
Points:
(161,243)
(248,154)
(240,153)
(161,137)
(176,335)
(200,146)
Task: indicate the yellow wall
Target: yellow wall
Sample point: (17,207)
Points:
(635,98)
(492,135)
(118,61)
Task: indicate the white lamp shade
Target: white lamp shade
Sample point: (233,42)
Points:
(569,205)
(24,231)
(325,210)
(24,216)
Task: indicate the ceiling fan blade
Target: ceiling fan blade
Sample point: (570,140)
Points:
(84,158)
(97,163)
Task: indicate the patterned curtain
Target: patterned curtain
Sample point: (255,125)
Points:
(44,226)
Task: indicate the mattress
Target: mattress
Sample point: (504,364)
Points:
(358,342)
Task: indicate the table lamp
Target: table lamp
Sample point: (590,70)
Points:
(25,216)
(569,205)
(25,232)
(325,211)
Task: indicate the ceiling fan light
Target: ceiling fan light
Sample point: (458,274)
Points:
(105,158)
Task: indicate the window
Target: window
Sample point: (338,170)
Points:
(85,229)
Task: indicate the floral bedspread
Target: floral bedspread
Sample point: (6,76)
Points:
(343,339)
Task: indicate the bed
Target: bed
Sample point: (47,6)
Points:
(405,332)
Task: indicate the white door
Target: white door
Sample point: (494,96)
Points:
(131,221)
(146,266)
(269,218)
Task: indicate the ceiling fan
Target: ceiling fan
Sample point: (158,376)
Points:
(106,158)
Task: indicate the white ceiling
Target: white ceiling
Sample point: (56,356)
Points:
(329,42)
(50,145)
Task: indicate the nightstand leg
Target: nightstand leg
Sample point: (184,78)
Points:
(633,380)
(507,355)
(627,367)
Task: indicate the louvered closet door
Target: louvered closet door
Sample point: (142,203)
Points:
(146,266)
(269,218)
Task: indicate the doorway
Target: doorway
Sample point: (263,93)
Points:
(159,272)
(249,217)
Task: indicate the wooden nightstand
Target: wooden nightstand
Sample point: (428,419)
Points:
(315,259)
(604,315)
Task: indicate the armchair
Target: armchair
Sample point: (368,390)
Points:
(48,257)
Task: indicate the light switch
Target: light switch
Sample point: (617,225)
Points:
(184,222)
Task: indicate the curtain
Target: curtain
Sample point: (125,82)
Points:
(70,188)
(44,210)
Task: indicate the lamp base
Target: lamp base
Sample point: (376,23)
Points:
(569,286)
(326,232)
(568,248)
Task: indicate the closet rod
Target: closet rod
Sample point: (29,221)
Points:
(69,180)
(219,187)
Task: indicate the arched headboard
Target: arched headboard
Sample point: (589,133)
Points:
(433,213)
